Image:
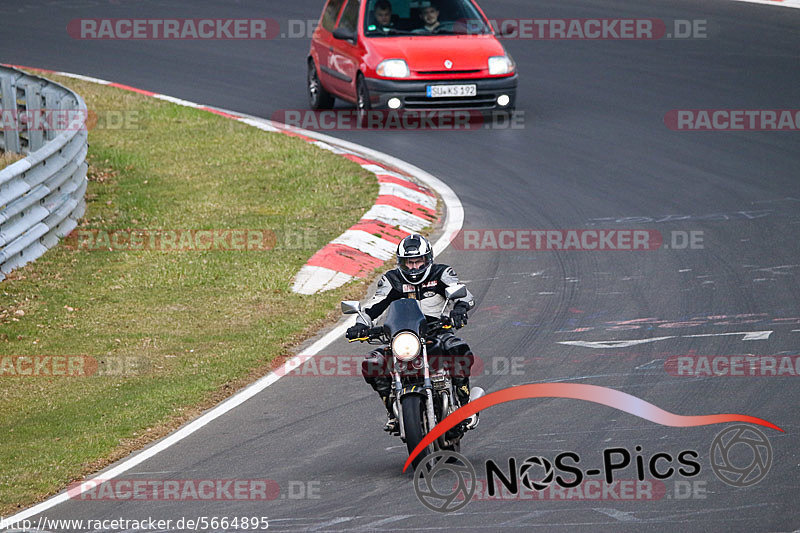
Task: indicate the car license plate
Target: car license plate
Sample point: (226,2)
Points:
(444,91)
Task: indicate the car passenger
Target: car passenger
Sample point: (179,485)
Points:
(430,19)
(383,14)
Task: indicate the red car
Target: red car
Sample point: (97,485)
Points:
(409,54)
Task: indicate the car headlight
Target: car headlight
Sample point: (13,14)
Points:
(393,68)
(501,65)
(405,346)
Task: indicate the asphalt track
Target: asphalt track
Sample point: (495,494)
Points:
(594,150)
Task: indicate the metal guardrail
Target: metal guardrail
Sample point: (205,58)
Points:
(41,196)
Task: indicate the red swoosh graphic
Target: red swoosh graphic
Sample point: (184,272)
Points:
(578,391)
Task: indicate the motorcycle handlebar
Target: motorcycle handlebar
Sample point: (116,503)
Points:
(377,332)
(443,322)
(371,334)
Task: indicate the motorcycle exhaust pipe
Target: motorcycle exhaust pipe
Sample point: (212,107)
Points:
(476,393)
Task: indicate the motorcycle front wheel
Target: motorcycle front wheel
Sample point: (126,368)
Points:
(414,426)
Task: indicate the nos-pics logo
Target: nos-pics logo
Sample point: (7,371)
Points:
(740,456)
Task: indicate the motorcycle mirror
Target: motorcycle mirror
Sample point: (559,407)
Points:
(350,308)
(455,291)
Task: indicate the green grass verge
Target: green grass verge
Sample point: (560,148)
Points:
(196,324)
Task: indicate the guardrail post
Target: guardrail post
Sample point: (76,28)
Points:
(65,104)
(36,120)
(51,98)
(8,92)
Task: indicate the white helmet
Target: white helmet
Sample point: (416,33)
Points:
(414,247)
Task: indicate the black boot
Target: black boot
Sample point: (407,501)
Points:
(392,425)
(462,391)
(375,372)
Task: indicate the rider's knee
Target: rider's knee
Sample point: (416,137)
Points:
(457,346)
(455,364)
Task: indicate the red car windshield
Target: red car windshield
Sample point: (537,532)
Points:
(387,18)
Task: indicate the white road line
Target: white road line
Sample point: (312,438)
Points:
(613,344)
(312,279)
(375,169)
(367,243)
(331,522)
(84,78)
(779,3)
(392,189)
(326,146)
(748,336)
(622,516)
(373,526)
(392,174)
(524,519)
(397,217)
(259,125)
(178,101)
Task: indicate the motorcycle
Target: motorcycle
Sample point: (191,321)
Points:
(420,398)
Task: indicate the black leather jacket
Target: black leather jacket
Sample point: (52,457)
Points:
(430,292)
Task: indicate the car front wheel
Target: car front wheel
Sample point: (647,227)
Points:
(318,97)
(363,102)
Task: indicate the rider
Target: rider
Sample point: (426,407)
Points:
(416,276)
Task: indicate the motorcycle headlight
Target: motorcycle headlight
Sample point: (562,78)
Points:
(405,346)
(393,68)
(501,65)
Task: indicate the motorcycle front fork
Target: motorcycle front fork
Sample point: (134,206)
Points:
(398,392)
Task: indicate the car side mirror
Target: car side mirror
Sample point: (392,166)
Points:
(456,291)
(344,34)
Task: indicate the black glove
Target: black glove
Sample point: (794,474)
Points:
(359,331)
(459,315)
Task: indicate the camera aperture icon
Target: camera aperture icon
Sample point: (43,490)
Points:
(454,487)
(735,464)
(525,473)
